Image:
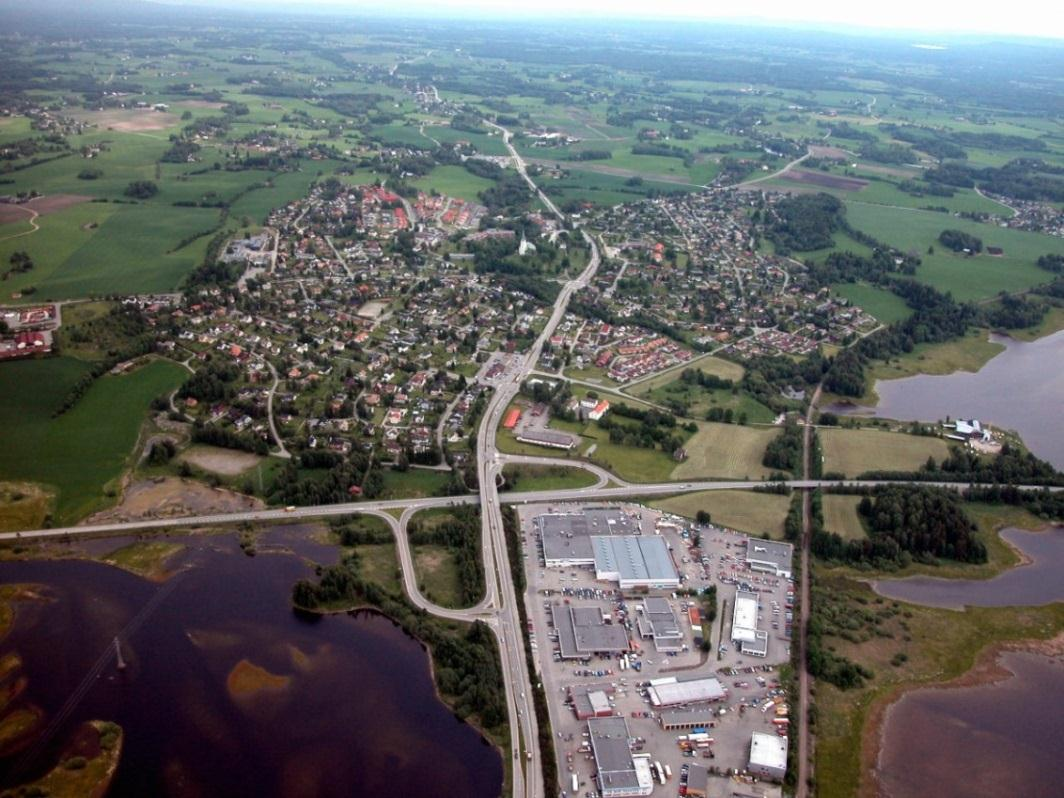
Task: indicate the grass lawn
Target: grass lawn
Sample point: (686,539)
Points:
(750,512)
(710,364)
(726,450)
(437,575)
(840,516)
(144,558)
(546,477)
(699,400)
(23,505)
(854,451)
(82,452)
(416,483)
(380,564)
(454,181)
(938,645)
(887,307)
(969,353)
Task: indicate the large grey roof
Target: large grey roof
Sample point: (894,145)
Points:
(613,756)
(581,631)
(644,558)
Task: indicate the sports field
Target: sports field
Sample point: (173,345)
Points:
(840,516)
(854,451)
(745,510)
(82,452)
(726,451)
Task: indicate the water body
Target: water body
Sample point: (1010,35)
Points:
(1037,583)
(358,717)
(1021,388)
(984,741)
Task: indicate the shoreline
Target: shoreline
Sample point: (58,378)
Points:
(985,670)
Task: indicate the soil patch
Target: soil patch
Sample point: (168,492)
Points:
(170,497)
(839,154)
(11,213)
(56,202)
(825,180)
(130,120)
(199,104)
(226,462)
(246,679)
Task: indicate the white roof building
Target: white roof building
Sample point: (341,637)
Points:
(768,755)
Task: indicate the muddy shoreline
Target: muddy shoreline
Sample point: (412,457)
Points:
(986,670)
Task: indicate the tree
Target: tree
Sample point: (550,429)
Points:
(142,189)
(703,518)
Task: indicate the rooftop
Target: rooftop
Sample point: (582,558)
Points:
(631,558)
(613,756)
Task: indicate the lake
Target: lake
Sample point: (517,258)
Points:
(1037,583)
(1022,388)
(982,741)
(358,715)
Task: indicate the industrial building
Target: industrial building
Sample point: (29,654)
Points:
(566,537)
(745,633)
(656,621)
(583,632)
(670,691)
(698,718)
(634,561)
(770,557)
(697,781)
(618,772)
(768,756)
(591,700)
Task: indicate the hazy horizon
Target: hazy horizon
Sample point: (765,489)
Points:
(1026,18)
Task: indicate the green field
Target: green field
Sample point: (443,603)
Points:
(969,353)
(760,514)
(726,451)
(82,452)
(854,451)
(886,306)
(416,483)
(710,364)
(699,401)
(840,516)
(454,181)
(967,278)
(546,477)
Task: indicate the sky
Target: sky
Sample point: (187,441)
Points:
(1042,18)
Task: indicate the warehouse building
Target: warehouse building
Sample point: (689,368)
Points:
(656,621)
(697,781)
(591,700)
(618,772)
(634,561)
(566,537)
(768,756)
(698,718)
(547,437)
(770,557)
(583,632)
(670,691)
(744,633)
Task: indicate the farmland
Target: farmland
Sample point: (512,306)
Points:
(726,450)
(840,516)
(855,451)
(81,453)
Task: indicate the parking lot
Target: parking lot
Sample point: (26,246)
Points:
(753,701)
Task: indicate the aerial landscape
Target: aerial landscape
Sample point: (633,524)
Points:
(447,400)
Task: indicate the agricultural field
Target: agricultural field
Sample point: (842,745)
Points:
(81,453)
(967,278)
(887,307)
(760,514)
(726,451)
(453,181)
(855,451)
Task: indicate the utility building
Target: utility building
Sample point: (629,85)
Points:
(768,755)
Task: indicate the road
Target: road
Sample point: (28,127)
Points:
(281,451)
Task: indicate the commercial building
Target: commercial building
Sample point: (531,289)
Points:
(656,621)
(770,556)
(745,633)
(513,415)
(566,537)
(670,691)
(768,755)
(547,437)
(591,700)
(634,561)
(619,774)
(583,632)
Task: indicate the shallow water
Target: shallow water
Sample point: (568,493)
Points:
(1021,388)
(358,717)
(1040,582)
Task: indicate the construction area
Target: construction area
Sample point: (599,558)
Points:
(653,688)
